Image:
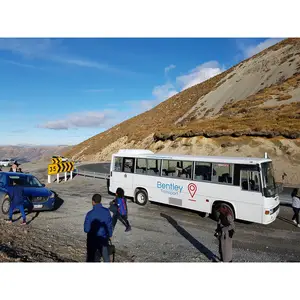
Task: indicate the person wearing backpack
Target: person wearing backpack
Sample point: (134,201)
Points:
(296,206)
(119,208)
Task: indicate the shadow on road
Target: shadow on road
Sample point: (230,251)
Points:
(58,203)
(199,246)
(286,220)
(286,204)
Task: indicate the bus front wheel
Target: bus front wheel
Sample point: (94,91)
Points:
(216,212)
(141,197)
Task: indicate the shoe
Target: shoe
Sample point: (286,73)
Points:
(23,223)
(128,229)
(298,225)
(295,221)
(8,221)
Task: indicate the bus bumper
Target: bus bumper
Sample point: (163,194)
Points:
(271,214)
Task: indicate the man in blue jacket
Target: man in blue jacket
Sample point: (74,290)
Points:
(17,202)
(98,226)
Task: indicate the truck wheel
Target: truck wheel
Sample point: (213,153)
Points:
(5,205)
(141,197)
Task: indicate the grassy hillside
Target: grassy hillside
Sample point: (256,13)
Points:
(267,112)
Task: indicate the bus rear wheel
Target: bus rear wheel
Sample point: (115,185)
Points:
(141,197)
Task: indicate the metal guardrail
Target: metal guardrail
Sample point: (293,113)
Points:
(91,174)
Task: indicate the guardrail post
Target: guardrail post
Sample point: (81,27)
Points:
(71,175)
(65,176)
(57,177)
(94,174)
(49,178)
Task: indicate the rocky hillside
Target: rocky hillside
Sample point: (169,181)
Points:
(252,108)
(30,153)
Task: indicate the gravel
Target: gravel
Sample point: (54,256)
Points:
(159,233)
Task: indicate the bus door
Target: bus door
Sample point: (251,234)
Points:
(126,182)
(250,202)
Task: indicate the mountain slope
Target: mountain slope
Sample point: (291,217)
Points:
(29,153)
(255,104)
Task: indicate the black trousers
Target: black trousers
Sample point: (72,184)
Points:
(97,247)
(122,219)
(296,214)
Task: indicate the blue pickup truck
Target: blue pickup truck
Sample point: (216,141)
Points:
(37,196)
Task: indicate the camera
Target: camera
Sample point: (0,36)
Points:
(217,234)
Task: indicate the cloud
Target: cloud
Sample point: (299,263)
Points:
(199,74)
(251,50)
(163,92)
(30,48)
(55,51)
(90,119)
(169,68)
(160,93)
(18,64)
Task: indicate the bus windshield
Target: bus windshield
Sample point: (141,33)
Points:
(268,179)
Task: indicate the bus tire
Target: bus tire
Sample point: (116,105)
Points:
(216,207)
(141,197)
(5,205)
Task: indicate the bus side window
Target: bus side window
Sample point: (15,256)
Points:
(128,165)
(153,167)
(118,164)
(223,173)
(244,180)
(170,168)
(250,180)
(203,171)
(141,165)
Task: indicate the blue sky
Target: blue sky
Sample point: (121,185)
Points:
(63,91)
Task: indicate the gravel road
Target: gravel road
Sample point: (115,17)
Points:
(159,233)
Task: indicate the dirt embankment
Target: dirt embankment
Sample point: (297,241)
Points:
(285,153)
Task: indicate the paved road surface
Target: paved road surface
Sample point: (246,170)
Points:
(159,233)
(285,195)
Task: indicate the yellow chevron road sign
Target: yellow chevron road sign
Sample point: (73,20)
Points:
(56,160)
(65,167)
(60,168)
(52,169)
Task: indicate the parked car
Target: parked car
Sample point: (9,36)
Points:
(6,162)
(64,159)
(37,196)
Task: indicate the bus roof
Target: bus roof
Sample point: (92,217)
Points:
(140,153)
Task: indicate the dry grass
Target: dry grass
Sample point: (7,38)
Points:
(244,117)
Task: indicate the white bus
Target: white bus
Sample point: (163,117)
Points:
(201,183)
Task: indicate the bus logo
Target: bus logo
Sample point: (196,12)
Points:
(192,189)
